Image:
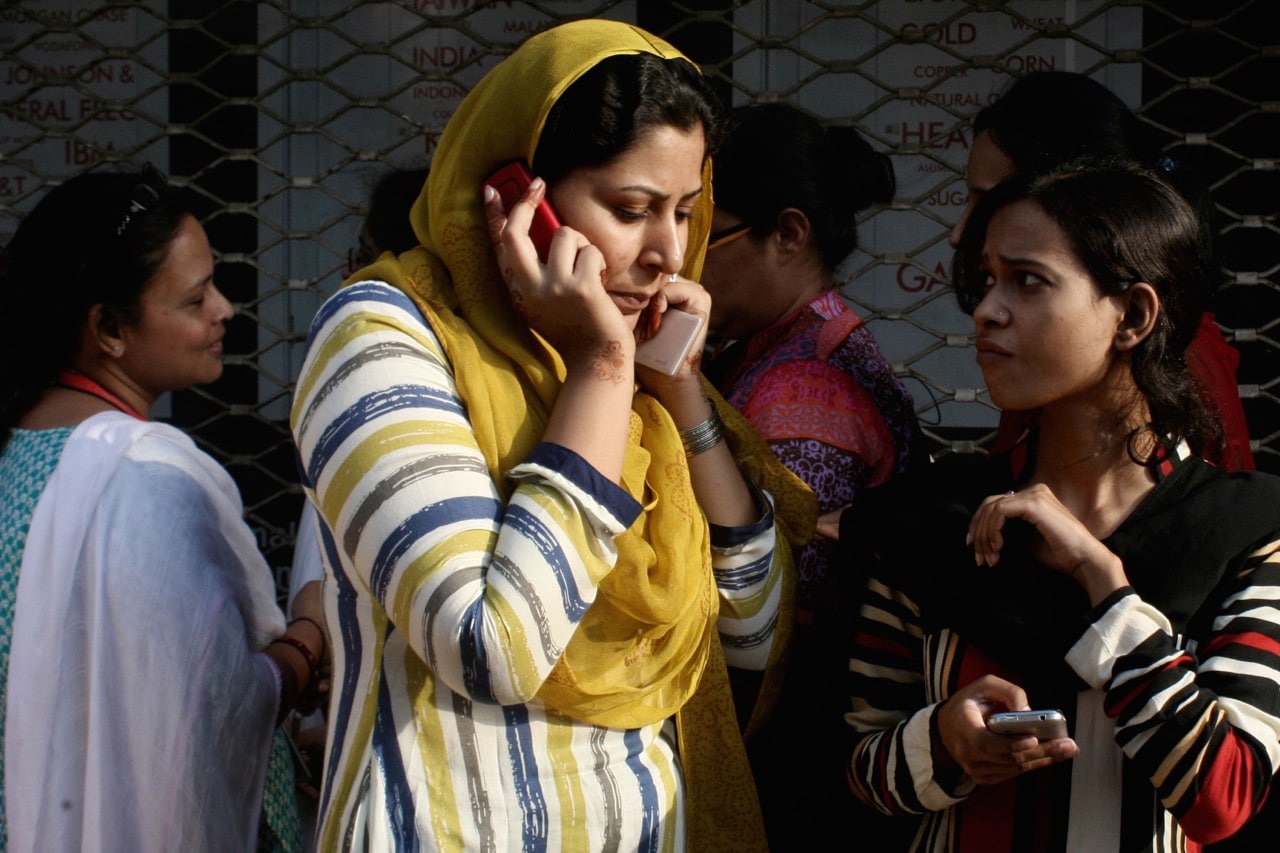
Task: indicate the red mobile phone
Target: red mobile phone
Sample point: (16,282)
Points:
(511,181)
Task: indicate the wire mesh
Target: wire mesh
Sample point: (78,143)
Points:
(279,116)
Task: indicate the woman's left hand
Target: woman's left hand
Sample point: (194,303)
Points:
(1062,543)
(718,483)
(687,296)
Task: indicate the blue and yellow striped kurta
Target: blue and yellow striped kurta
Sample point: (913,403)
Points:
(449,607)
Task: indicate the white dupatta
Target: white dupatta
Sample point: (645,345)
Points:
(139,713)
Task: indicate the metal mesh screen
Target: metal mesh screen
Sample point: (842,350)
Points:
(280,116)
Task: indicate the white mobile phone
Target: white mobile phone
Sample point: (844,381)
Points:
(668,349)
(1045,725)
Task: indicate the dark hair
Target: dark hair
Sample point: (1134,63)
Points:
(1126,224)
(1047,118)
(96,239)
(777,156)
(388,220)
(610,107)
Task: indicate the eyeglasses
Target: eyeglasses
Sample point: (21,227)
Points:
(144,196)
(727,235)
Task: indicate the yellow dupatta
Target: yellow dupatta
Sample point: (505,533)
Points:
(647,648)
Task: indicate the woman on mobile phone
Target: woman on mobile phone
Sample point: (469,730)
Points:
(542,555)
(1100,566)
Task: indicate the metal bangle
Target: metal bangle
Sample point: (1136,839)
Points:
(700,438)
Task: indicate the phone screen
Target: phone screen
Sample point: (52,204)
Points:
(511,181)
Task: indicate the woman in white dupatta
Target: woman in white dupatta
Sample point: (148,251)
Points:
(144,661)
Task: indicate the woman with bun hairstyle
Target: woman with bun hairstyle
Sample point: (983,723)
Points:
(808,374)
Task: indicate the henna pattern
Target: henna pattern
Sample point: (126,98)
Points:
(497,223)
(610,363)
(517,302)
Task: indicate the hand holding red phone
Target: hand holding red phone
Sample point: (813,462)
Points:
(512,181)
(558,291)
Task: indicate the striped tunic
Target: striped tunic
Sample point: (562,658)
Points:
(451,607)
(1169,686)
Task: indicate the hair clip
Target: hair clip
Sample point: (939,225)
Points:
(1167,165)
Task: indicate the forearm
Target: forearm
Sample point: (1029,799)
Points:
(298,655)
(899,771)
(592,413)
(898,764)
(1212,714)
(748,566)
(718,483)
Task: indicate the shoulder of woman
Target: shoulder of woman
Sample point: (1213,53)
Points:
(159,448)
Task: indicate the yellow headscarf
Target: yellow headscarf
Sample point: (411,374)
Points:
(647,648)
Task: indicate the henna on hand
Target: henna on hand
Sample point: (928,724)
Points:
(610,363)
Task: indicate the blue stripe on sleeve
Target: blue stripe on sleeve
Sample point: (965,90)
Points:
(537,534)
(741,577)
(363,292)
(581,473)
(474,658)
(418,525)
(369,407)
(729,537)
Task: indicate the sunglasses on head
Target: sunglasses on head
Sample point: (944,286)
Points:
(144,196)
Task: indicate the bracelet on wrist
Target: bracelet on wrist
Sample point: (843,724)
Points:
(313,665)
(324,640)
(701,437)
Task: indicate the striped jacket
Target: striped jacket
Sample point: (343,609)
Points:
(450,608)
(1169,686)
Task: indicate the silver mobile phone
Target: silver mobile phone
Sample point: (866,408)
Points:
(667,349)
(1045,725)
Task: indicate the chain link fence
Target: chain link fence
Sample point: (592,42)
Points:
(280,116)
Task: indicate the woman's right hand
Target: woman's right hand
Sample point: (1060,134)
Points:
(987,758)
(565,301)
(562,300)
